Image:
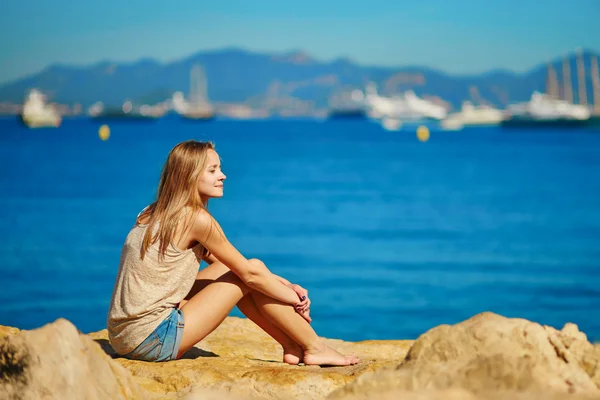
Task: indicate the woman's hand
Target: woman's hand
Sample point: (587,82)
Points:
(303,307)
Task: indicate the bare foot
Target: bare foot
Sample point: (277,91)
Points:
(293,354)
(325,355)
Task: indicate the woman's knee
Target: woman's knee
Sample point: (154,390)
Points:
(234,279)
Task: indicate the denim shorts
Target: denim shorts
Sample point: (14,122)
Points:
(163,343)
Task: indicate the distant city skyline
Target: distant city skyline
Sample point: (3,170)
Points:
(462,37)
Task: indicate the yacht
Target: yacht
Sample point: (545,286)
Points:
(407,107)
(426,108)
(37,113)
(542,110)
(549,109)
(472,115)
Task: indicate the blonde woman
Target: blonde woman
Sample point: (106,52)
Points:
(162,305)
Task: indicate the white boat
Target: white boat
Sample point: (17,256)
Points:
(407,107)
(471,115)
(37,113)
(428,109)
(546,110)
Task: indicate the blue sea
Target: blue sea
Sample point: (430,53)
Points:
(390,235)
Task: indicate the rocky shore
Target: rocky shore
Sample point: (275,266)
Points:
(485,357)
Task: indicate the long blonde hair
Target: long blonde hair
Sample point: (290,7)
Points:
(177,194)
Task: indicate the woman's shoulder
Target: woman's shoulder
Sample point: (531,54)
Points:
(202,217)
(204,225)
(143,216)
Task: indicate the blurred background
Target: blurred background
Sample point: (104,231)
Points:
(410,163)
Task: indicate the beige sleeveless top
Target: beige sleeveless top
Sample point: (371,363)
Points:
(146,291)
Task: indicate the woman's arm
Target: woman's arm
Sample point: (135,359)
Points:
(256,275)
(282,280)
(209,258)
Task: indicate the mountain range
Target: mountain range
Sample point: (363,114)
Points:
(239,76)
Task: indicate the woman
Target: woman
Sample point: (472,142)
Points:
(162,305)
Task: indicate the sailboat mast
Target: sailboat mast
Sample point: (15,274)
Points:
(567,90)
(198,87)
(475,96)
(596,85)
(552,83)
(581,79)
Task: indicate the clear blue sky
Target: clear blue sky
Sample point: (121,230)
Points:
(457,36)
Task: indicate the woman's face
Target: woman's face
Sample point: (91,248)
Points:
(211,181)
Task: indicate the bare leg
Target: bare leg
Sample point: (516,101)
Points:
(205,311)
(208,308)
(292,352)
(316,352)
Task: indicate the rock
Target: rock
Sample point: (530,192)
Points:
(238,358)
(56,361)
(488,355)
(7,331)
(462,394)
